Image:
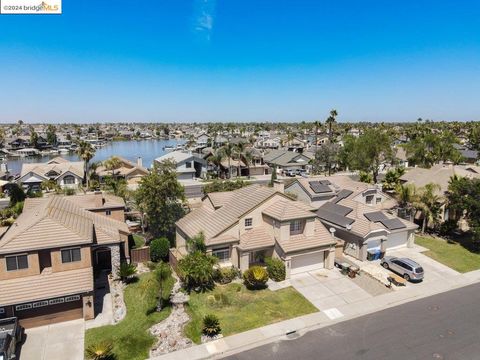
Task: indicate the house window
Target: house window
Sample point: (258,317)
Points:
(108,212)
(295,227)
(71,255)
(222,254)
(2,310)
(369,199)
(378,200)
(248,222)
(188,165)
(69,180)
(17,262)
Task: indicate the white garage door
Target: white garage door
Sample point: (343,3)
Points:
(397,240)
(307,262)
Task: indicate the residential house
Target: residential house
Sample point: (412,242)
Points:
(286,160)
(49,256)
(128,170)
(244,226)
(189,166)
(439,174)
(468,155)
(101,203)
(67,174)
(357,212)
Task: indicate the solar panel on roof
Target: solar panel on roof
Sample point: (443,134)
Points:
(376,216)
(334,218)
(393,224)
(337,209)
(325,182)
(342,194)
(317,187)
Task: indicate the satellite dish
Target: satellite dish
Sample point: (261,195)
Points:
(332,230)
(349,226)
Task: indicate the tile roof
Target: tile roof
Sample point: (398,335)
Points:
(213,222)
(45,286)
(288,210)
(321,237)
(56,221)
(59,165)
(218,199)
(255,239)
(97,201)
(285,158)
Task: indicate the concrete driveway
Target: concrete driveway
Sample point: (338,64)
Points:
(55,342)
(328,289)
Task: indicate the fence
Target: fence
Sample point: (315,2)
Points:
(140,255)
(173,257)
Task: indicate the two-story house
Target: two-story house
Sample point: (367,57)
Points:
(67,174)
(244,226)
(189,166)
(131,171)
(48,258)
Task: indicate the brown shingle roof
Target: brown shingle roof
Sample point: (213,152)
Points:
(255,239)
(44,286)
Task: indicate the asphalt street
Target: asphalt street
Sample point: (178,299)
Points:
(444,326)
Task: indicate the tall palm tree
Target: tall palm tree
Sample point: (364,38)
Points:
(216,159)
(428,202)
(248,159)
(228,150)
(86,152)
(330,121)
(317,125)
(240,148)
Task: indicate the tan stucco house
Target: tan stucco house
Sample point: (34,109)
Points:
(244,226)
(48,258)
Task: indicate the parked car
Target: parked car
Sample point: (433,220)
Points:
(291,172)
(405,267)
(11,334)
(301,172)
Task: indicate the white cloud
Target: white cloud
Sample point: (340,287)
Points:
(204,16)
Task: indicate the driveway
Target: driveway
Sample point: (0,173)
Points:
(328,289)
(55,342)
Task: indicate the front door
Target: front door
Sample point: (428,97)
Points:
(103,259)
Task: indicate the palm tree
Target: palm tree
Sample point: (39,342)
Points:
(228,150)
(86,152)
(317,125)
(216,159)
(240,149)
(247,159)
(330,121)
(406,196)
(429,204)
(112,164)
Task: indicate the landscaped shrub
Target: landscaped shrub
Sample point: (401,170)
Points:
(196,271)
(255,278)
(226,275)
(211,325)
(448,227)
(126,270)
(159,249)
(275,269)
(100,351)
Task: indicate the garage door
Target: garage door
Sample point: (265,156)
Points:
(307,262)
(397,240)
(50,314)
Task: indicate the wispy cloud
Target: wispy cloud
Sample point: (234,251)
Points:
(204,16)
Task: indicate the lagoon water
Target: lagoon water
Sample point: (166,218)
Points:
(148,150)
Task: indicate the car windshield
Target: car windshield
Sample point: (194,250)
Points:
(419,270)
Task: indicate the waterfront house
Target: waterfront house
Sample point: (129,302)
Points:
(189,166)
(67,174)
(128,170)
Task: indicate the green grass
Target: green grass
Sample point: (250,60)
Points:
(451,254)
(240,309)
(139,241)
(130,337)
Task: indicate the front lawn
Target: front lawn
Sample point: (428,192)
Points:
(452,254)
(240,309)
(130,337)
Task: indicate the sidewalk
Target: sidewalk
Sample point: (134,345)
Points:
(260,336)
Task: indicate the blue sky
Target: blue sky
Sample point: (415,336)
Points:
(242,60)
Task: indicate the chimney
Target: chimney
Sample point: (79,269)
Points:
(139,161)
(279,186)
